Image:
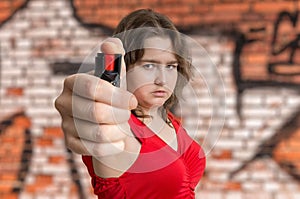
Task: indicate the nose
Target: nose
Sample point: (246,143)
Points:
(160,78)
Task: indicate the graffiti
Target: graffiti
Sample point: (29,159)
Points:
(292,45)
(22,157)
(280,69)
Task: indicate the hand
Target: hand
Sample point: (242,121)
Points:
(93,110)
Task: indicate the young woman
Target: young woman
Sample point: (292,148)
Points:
(157,159)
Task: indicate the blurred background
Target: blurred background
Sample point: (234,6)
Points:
(254,45)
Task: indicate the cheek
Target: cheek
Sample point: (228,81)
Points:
(137,79)
(171,81)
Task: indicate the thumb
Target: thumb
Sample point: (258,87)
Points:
(115,46)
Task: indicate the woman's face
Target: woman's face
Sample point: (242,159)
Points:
(152,79)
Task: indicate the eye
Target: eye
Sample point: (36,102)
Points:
(172,66)
(149,66)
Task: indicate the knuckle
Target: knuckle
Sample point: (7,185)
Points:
(98,135)
(58,103)
(65,127)
(91,111)
(69,143)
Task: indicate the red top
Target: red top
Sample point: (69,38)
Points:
(159,172)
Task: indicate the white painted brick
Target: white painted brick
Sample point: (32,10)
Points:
(81,42)
(252,99)
(243,154)
(55,151)
(56,121)
(21,54)
(37,112)
(257,194)
(7,81)
(271,99)
(23,101)
(23,43)
(242,176)
(264,134)
(70,22)
(219,176)
(54,169)
(223,165)
(40,121)
(261,176)
(7,102)
(42,33)
(275,122)
(5,34)
(81,33)
(233,122)
(292,186)
(8,72)
(41,101)
(23,63)
(229,144)
(30,179)
(253,123)
(258,112)
(59,142)
(241,133)
(35,130)
(293,100)
(7,63)
(234,195)
(21,24)
(38,5)
(286,195)
(40,160)
(40,72)
(209,195)
(271,186)
(40,81)
(40,92)
(56,23)
(251,186)
(287,111)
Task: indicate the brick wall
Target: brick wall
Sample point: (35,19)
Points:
(253,46)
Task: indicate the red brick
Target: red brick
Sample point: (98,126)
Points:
(8,177)
(22,121)
(230,7)
(43,179)
(222,155)
(10,195)
(274,7)
(5,187)
(56,159)
(14,91)
(232,186)
(44,142)
(53,132)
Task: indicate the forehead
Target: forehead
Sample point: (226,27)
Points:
(159,48)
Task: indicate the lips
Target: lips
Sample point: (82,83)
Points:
(160,93)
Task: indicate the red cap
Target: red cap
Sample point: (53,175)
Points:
(109,62)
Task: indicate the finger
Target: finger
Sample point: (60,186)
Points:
(86,147)
(103,149)
(99,133)
(112,46)
(97,112)
(115,46)
(99,90)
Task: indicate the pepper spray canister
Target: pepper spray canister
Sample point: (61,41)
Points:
(108,67)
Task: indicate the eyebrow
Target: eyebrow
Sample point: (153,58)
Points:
(158,62)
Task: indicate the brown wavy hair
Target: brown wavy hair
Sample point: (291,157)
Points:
(142,24)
